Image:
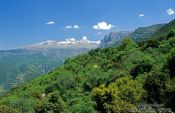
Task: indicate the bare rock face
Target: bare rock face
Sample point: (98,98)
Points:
(113,38)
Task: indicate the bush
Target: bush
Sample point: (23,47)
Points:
(155,85)
(108,101)
(37,92)
(141,67)
(5,109)
(151,43)
(53,103)
(127,43)
(129,89)
(170,94)
(119,96)
(171,34)
(170,64)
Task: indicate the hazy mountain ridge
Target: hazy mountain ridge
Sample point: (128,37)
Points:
(162,32)
(141,33)
(70,43)
(20,65)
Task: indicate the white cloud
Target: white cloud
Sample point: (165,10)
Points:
(68,27)
(170,11)
(76,27)
(103,26)
(50,23)
(141,15)
(72,27)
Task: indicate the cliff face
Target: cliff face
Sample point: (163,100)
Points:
(113,38)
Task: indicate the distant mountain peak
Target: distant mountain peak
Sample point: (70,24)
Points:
(48,42)
(67,43)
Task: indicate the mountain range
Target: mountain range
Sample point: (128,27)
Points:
(134,76)
(23,64)
(141,33)
(70,43)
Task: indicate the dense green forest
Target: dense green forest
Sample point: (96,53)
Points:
(132,77)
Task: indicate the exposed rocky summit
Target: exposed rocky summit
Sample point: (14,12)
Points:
(113,38)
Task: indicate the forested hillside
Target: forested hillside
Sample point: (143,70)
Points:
(132,77)
(143,33)
(21,65)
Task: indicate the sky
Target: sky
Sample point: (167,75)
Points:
(25,22)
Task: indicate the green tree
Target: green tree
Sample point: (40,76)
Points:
(5,109)
(119,96)
(170,94)
(141,67)
(127,43)
(108,100)
(155,85)
(129,89)
(171,34)
(170,64)
(52,104)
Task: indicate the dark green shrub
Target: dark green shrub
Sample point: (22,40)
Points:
(170,64)
(171,34)
(155,85)
(140,68)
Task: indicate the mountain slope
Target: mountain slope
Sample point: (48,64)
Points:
(144,32)
(115,38)
(20,65)
(115,79)
(165,30)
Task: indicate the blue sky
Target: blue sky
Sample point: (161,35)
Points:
(24,22)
